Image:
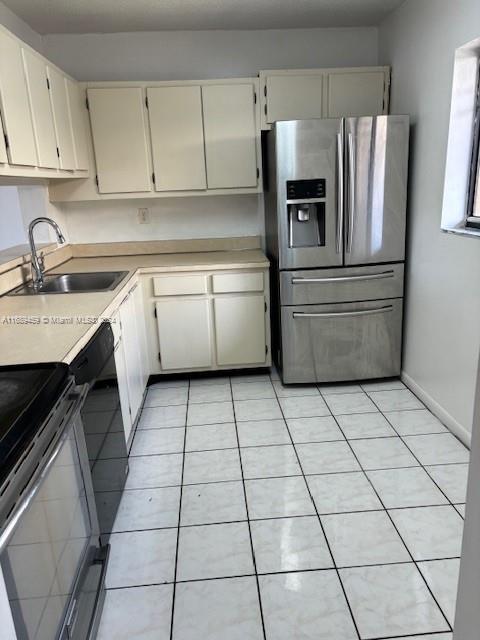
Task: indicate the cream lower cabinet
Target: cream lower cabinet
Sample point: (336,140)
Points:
(184,333)
(207,321)
(240,329)
(130,357)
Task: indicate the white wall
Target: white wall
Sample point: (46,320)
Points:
(191,55)
(443,301)
(184,55)
(171,218)
(20,28)
(12,230)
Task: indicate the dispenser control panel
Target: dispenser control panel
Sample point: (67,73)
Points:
(306,189)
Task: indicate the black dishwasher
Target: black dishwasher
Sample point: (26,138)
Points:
(103,425)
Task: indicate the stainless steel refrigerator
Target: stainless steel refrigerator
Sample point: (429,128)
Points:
(335,205)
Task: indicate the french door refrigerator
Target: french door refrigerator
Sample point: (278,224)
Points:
(335,205)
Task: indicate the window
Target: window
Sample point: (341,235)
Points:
(473,212)
(461,192)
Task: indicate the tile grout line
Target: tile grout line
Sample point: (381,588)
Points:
(248,520)
(172,613)
(398,532)
(320,522)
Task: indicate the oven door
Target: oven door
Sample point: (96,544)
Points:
(50,544)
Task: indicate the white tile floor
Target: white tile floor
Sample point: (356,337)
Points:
(258,511)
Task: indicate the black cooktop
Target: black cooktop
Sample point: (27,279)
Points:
(27,395)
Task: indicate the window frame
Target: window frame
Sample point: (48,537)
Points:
(473,219)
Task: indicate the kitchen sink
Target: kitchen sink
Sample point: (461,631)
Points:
(73,283)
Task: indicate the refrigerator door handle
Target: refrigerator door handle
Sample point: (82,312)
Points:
(340,189)
(343,314)
(351,191)
(369,276)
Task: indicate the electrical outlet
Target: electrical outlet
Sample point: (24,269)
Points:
(143,216)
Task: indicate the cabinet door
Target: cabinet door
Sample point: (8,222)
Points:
(294,97)
(240,329)
(176,129)
(132,352)
(77,108)
(355,94)
(122,381)
(184,333)
(16,115)
(37,84)
(61,118)
(119,138)
(139,314)
(230,135)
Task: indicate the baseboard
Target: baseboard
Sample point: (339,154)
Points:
(455,427)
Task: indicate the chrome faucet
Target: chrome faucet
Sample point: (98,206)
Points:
(38,262)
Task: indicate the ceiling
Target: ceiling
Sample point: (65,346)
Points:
(111,16)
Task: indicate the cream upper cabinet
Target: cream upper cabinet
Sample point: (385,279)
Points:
(176,130)
(15,105)
(3,148)
(293,97)
(78,117)
(184,332)
(323,93)
(61,118)
(355,94)
(240,330)
(117,116)
(37,84)
(230,135)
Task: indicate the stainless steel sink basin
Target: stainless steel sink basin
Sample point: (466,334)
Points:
(73,283)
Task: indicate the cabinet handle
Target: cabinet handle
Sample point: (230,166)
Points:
(342,314)
(369,276)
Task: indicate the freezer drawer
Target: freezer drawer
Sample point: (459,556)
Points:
(339,342)
(346,284)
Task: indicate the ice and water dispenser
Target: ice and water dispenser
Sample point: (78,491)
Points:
(306,212)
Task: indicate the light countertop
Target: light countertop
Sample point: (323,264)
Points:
(55,327)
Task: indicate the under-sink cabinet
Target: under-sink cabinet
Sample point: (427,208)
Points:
(207,320)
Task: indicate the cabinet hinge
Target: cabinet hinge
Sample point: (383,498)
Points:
(258,173)
(130,410)
(155,312)
(265,109)
(7,144)
(58,152)
(153,178)
(48,83)
(96,180)
(146,102)
(265,90)
(266,349)
(159,357)
(254,97)
(266,306)
(87,104)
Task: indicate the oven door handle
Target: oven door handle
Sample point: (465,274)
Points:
(13,521)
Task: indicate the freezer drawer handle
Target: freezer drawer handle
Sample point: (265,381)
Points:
(343,314)
(369,276)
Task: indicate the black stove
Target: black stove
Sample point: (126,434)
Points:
(27,395)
